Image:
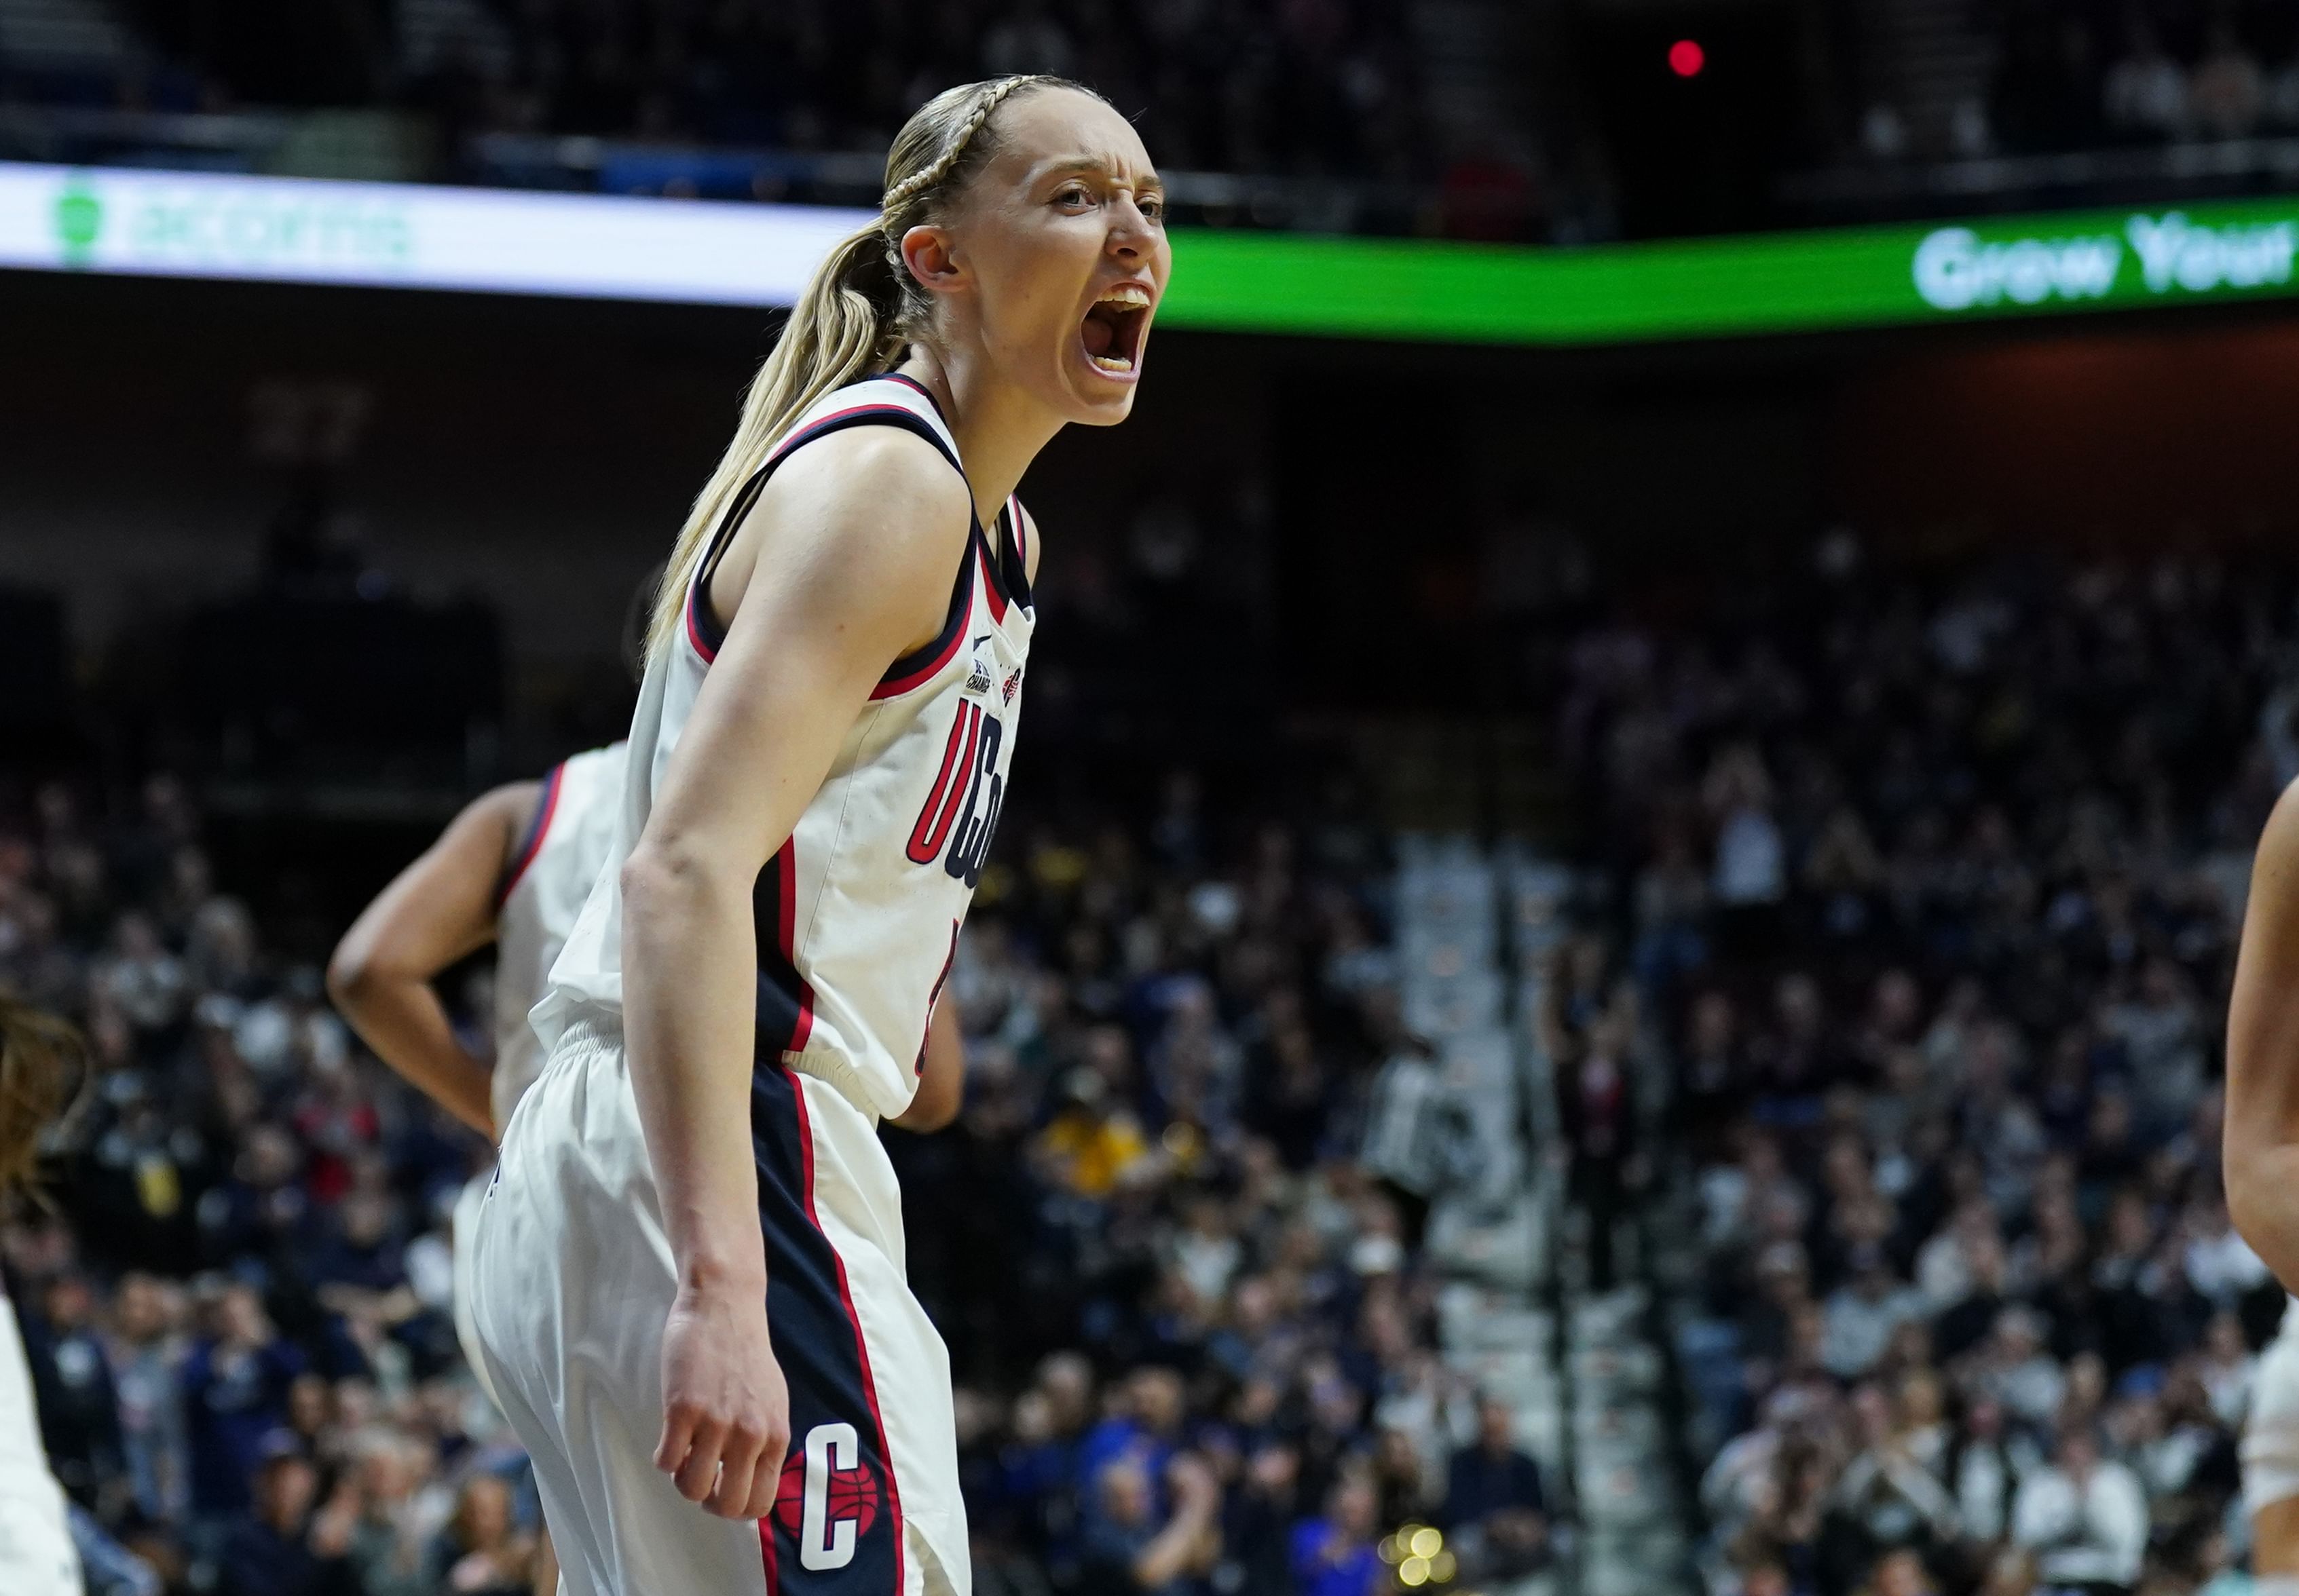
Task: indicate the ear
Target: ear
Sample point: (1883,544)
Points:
(932,256)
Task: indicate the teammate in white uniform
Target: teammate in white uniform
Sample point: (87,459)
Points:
(691,1282)
(2261,1164)
(2270,1450)
(38,1058)
(512,869)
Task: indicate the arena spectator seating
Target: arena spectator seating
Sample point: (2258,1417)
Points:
(1929,888)
(1816,1136)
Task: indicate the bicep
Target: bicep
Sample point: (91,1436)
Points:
(847,560)
(2262,1020)
(442,907)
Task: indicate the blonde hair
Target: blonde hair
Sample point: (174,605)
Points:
(858,314)
(42,1063)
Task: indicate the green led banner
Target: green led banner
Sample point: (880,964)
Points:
(147,223)
(1727,287)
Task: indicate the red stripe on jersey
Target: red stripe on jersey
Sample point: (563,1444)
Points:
(991,590)
(846,1296)
(695,626)
(786,935)
(925,669)
(927,838)
(804,435)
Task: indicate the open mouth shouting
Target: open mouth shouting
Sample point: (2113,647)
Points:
(1113,329)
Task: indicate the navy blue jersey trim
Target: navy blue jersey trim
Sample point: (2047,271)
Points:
(708,634)
(530,842)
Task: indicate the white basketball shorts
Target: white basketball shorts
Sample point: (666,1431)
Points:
(2270,1430)
(573,1278)
(463,1227)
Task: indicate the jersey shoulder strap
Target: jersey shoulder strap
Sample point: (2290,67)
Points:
(888,401)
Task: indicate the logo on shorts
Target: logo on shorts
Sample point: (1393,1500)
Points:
(829,1497)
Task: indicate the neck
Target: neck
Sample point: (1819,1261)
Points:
(999,429)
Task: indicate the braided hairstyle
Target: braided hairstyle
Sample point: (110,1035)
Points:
(42,1063)
(859,312)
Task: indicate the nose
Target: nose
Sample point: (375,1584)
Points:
(1130,232)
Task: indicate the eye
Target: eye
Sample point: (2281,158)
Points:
(1074,194)
(1152,206)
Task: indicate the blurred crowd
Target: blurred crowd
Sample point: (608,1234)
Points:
(2073,74)
(1323,87)
(1218,1342)
(236,1302)
(1933,882)
(1192,1333)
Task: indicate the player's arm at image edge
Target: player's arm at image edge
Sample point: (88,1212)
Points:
(941,1084)
(2260,1140)
(440,909)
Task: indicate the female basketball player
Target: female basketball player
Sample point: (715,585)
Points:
(39,1060)
(2261,1160)
(692,1261)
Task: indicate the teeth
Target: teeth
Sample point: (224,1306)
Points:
(1128,296)
(1112,363)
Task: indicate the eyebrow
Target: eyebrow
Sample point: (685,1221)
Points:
(1096,164)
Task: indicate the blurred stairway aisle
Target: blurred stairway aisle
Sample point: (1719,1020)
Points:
(1613,1377)
(1492,1221)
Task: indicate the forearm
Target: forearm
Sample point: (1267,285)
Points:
(1170,1554)
(689,975)
(2260,1139)
(400,1018)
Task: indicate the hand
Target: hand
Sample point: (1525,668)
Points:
(726,1410)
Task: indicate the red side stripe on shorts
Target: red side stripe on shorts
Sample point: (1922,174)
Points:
(786,865)
(846,1297)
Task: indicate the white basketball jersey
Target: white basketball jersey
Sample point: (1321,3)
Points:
(857,916)
(541,892)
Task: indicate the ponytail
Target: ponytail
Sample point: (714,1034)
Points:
(841,331)
(855,319)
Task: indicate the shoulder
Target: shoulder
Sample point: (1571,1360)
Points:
(2279,838)
(869,469)
(510,804)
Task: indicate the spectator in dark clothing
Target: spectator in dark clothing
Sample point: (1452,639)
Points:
(1493,1502)
(1126,1549)
(235,1394)
(1595,1107)
(1258,1536)
(268,1550)
(71,1379)
(1492,1475)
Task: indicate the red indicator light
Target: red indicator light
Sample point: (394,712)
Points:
(1686,58)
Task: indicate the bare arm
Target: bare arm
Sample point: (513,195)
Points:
(1190,1539)
(438,910)
(854,543)
(2261,1137)
(942,1086)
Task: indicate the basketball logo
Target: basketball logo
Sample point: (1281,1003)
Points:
(828,1497)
